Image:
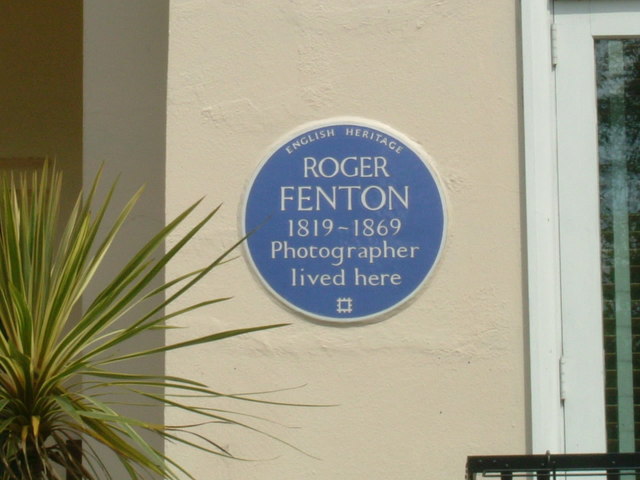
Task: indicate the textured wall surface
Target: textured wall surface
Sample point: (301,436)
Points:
(441,379)
(125,59)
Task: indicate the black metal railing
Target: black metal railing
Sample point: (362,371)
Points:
(613,466)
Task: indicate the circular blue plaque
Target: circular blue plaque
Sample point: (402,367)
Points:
(345,220)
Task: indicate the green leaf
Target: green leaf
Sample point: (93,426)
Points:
(53,382)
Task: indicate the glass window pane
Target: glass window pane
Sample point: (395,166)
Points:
(618,85)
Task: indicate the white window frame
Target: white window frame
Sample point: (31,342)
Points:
(543,214)
(543,256)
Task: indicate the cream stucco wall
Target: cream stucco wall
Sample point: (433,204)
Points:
(124,106)
(441,379)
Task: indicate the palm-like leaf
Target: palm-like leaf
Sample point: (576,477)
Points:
(54,368)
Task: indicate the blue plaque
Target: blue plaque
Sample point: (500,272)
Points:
(346,220)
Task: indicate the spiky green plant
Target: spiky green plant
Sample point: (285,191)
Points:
(56,367)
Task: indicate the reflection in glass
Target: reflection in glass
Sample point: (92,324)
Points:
(618,84)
